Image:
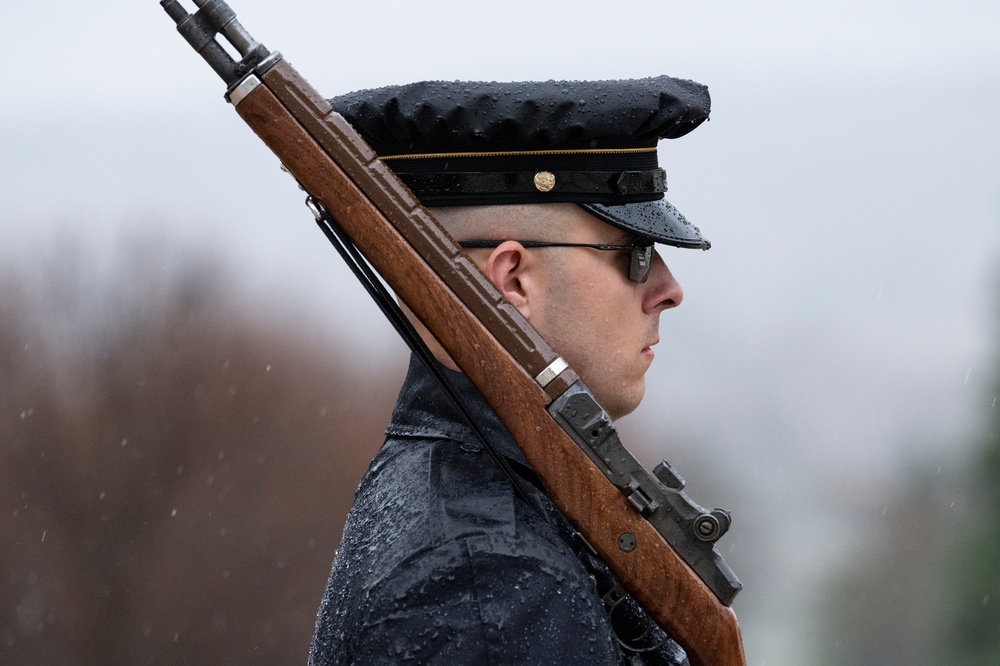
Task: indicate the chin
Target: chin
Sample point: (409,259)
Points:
(624,404)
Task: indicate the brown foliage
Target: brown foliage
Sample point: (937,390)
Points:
(174,472)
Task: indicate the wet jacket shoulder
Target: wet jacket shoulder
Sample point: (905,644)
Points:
(442,562)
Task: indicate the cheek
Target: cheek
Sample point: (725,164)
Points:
(566,320)
(591,334)
(591,323)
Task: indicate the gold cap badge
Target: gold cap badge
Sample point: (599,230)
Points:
(544,181)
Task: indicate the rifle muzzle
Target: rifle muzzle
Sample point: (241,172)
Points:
(200,29)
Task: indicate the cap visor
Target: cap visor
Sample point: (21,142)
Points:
(658,220)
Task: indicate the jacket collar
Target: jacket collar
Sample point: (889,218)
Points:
(425,410)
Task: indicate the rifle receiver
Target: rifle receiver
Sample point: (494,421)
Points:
(689,528)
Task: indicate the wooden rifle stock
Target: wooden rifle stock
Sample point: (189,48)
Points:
(488,339)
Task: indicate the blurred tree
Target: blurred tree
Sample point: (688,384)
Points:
(974,610)
(924,586)
(885,607)
(174,471)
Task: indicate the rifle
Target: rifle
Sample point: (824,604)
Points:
(658,543)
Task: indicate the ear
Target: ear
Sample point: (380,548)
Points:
(507,269)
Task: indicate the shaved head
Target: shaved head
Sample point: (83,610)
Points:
(547,222)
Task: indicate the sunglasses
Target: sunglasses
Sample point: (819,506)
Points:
(640,252)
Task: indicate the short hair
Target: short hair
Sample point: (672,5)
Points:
(505,222)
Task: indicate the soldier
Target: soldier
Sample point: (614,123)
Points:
(554,188)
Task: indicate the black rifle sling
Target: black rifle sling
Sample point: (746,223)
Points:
(390,308)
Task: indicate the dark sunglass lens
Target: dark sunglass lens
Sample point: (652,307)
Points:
(642,259)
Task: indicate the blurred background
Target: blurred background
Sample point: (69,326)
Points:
(191,384)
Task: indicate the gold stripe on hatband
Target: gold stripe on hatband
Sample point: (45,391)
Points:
(520,153)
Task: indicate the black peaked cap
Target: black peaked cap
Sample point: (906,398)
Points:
(586,142)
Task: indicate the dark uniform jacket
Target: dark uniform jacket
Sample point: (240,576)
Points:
(442,562)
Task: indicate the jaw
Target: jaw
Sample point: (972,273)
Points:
(623,400)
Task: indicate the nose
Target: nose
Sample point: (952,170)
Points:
(662,290)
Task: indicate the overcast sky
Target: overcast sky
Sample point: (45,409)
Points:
(849,179)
